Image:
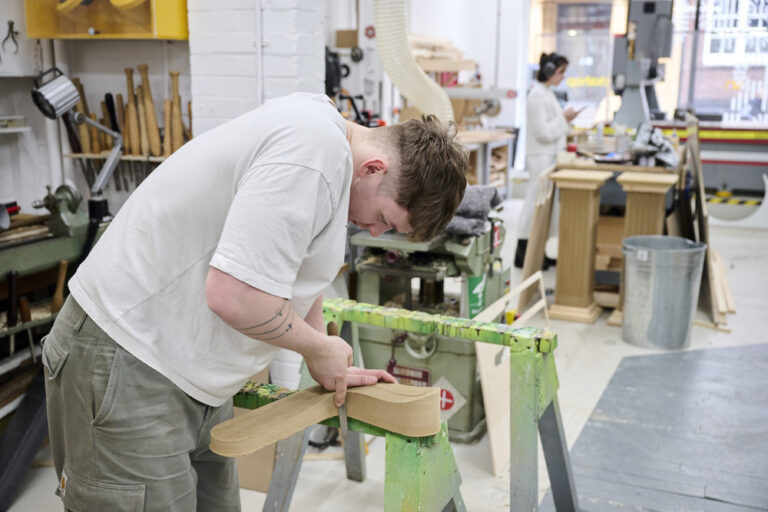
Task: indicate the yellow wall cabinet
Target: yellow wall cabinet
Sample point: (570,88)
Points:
(106,19)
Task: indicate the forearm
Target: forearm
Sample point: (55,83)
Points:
(315,316)
(260,315)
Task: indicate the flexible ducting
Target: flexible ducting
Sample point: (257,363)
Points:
(396,57)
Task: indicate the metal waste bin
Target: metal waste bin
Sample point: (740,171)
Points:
(662,276)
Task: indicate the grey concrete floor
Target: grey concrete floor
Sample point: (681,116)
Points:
(586,358)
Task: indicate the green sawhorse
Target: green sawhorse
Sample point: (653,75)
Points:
(420,472)
(534,410)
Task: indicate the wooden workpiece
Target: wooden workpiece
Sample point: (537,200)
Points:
(407,410)
(579,202)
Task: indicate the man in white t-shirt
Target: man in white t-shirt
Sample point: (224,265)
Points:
(215,262)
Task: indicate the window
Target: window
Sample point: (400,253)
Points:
(735,31)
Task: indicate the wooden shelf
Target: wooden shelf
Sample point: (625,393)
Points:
(482,136)
(13,124)
(127,158)
(15,130)
(447,65)
(41,315)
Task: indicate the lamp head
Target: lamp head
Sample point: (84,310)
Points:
(56,96)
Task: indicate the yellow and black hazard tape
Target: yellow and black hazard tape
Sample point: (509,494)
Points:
(734,201)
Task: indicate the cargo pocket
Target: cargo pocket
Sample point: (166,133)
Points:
(80,495)
(53,356)
(105,382)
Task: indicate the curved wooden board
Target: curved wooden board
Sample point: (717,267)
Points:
(407,410)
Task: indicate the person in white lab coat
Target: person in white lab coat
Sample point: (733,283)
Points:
(547,127)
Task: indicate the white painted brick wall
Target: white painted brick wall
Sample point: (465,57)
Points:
(243,52)
(293,47)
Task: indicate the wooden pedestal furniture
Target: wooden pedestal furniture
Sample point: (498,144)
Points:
(644,214)
(579,202)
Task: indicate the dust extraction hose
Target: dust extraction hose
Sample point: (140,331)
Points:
(399,64)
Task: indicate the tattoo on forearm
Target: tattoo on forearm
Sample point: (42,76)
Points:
(275,327)
(278,313)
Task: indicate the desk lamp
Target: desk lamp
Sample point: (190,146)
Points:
(56,97)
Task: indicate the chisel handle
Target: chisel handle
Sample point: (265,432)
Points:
(58,295)
(13,312)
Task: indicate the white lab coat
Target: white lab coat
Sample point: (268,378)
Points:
(546,131)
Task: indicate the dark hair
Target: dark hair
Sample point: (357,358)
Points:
(432,173)
(548,64)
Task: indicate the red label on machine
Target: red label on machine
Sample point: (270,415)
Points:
(496,236)
(410,376)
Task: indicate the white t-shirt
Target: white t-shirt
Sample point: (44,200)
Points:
(545,122)
(264,198)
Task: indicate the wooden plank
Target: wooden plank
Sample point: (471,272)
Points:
(492,312)
(716,283)
(23,233)
(493,367)
(724,284)
(673,223)
(710,325)
(25,219)
(708,293)
(542,213)
(540,305)
(407,410)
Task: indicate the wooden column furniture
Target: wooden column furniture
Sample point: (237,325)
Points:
(646,192)
(644,213)
(579,202)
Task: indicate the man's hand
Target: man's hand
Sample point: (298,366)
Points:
(331,368)
(362,377)
(328,365)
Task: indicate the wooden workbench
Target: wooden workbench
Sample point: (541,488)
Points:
(490,157)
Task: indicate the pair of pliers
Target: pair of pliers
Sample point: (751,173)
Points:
(12,36)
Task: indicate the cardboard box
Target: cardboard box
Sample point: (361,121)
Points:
(346,38)
(255,470)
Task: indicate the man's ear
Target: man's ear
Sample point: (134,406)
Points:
(372,166)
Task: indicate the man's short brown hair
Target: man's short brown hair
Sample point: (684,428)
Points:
(432,170)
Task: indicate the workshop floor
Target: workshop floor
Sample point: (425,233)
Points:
(586,357)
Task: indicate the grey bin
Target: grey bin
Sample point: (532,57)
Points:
(662,275)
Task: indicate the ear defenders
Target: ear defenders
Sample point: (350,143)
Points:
(549,67)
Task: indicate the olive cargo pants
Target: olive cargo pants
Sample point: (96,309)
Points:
(123,437)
